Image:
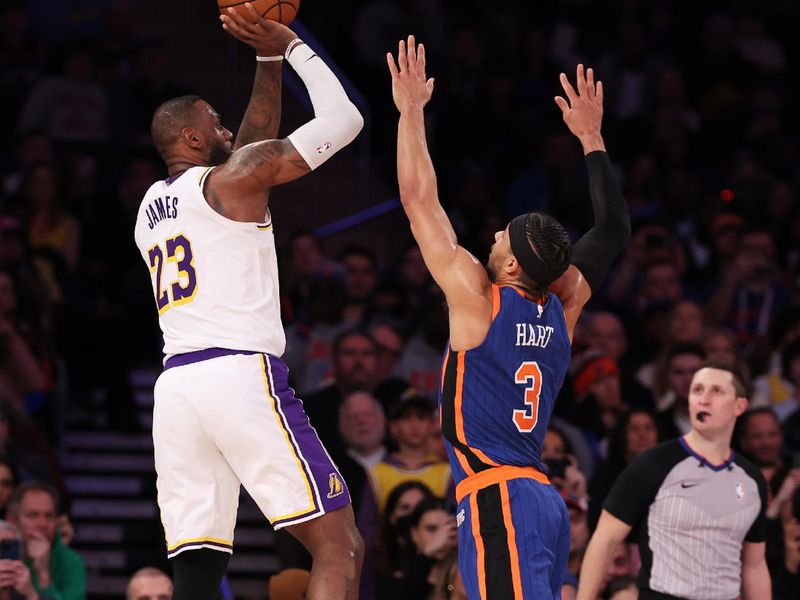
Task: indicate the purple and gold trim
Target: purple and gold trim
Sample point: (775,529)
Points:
(197,543)
(179,360)
(313,493)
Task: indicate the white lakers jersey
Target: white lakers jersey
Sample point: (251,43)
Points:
(215,281)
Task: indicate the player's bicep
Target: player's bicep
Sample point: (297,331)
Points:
(453,268)
(262,165)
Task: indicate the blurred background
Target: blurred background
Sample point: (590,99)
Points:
(700,122)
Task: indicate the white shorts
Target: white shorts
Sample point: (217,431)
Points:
(219,421)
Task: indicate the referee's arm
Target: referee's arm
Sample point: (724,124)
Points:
(756,582)
(610,531)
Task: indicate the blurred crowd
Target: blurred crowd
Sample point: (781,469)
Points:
(698,121)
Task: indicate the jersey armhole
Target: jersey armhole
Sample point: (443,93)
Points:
(495,301)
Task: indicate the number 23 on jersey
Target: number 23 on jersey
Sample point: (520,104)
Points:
(184,288)
(529,375)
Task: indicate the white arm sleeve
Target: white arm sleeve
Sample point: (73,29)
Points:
(336,120)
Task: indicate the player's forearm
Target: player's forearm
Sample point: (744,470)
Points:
(416,176)
(756,582)
(597,248)
(336,119)
(263,114)
(593,569)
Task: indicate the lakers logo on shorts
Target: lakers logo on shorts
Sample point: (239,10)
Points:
(335,485)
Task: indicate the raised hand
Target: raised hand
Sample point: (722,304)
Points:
(582,109)
(410,87)
(268,38)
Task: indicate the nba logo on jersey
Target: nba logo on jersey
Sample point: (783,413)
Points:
(739,491)
(335,485)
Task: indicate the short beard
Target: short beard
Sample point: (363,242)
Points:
(490,271)
(218,155)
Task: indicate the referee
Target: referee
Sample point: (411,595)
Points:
(694,507)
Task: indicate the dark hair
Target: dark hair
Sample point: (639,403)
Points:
(24,488)
(355,250)
(617,585)
(740,429)
(343,336)
(394,540)
(560,433)
(427,505)
(551,243)
(168,120)
(618,438)
(738,381)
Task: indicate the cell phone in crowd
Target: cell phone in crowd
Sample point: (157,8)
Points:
(9,549)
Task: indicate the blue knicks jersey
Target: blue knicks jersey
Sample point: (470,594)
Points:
(496,400)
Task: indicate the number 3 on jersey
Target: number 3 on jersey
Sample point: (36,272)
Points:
(529,375)
(183,290)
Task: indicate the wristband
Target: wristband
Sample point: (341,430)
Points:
(269,58)
(291,46)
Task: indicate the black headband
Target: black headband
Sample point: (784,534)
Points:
(534,267)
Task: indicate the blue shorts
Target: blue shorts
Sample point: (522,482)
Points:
(513,541)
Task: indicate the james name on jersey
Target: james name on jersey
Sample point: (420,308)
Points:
(160,209)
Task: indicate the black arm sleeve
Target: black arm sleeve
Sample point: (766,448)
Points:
(594,252)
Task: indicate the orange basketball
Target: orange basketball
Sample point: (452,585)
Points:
(283,11)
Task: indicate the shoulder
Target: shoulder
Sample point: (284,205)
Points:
(750,468)
(658,460)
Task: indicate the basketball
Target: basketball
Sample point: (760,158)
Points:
(282,11)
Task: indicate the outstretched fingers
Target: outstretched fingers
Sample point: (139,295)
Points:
(563,105)
(590,90)
(421,60)
(392,65)
(402,60)
(580,80)
(572,96)
(412,53)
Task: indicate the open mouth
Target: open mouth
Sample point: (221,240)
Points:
(703,415)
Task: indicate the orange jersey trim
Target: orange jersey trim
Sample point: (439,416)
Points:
(495,301)
(516,575)
(484,479)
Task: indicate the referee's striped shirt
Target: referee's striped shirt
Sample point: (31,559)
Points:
(690,518)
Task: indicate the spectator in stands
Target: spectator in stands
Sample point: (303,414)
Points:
(431,538)
(449,586)
(8,481)
(15,578)
(421,361)
(578,538)
(362,427)
(673,377)
(607,335)
(636,432)
(22,374)
(621,588)
(361,278)
(309,341)
(149,583)
(354,368)
(25,448)
(307,261)
(750,295)
(55,569)
(51,228)
(410,424)
(71,105)
(599,401)
(390,344)
(721,346)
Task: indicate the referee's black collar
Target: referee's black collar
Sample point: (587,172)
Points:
(703,460)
